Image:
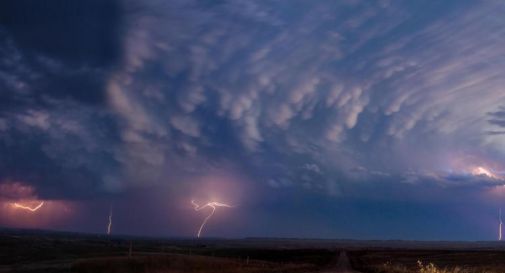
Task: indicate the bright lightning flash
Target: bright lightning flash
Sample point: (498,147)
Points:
(212,205)
(500,226)
(34,209)
(109,225)
(483,171)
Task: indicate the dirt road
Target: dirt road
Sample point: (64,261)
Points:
(342,265)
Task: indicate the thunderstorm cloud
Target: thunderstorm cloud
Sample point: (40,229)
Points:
(293,106)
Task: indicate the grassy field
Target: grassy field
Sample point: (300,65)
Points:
(429,261)
(185,263)
(58,253)
(51,252)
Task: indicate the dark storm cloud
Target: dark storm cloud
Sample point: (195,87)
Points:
(62,47)
(63,150)
(234,84)
(339,85)
(57,132)
(77,32)
(338,100)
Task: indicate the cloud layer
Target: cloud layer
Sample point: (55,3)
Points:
(347,99)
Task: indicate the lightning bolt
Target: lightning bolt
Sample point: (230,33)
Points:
(500,226)
(109,225)
(212,205)
(19,206)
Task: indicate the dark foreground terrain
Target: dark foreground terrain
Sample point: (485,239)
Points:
(38,251)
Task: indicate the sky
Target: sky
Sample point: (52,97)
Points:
(312,119)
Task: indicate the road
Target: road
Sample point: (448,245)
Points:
(343,265)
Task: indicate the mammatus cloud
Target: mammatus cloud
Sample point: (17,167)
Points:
(320,95)
(291,110)
(324,86)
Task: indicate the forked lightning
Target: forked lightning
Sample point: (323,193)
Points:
(212,205)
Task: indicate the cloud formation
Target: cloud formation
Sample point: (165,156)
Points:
(339,98)
(319,86)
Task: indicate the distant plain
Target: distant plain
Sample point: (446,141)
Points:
(45,251)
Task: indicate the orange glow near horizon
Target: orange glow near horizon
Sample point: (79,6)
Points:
(483,171)
(28,208)
(476,165)
(34,213)
(21,207)
(212,205)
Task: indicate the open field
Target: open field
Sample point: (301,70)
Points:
(38,251)
(427,261)
(66,252)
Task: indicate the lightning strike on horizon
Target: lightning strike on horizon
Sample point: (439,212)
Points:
(109,225)
(19,206)
(500,226)
(212,205)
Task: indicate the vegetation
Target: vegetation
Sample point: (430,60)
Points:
(428,261)
(432,268)
(184,263)
(46,252)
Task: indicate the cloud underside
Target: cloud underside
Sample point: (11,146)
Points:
(318,95)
